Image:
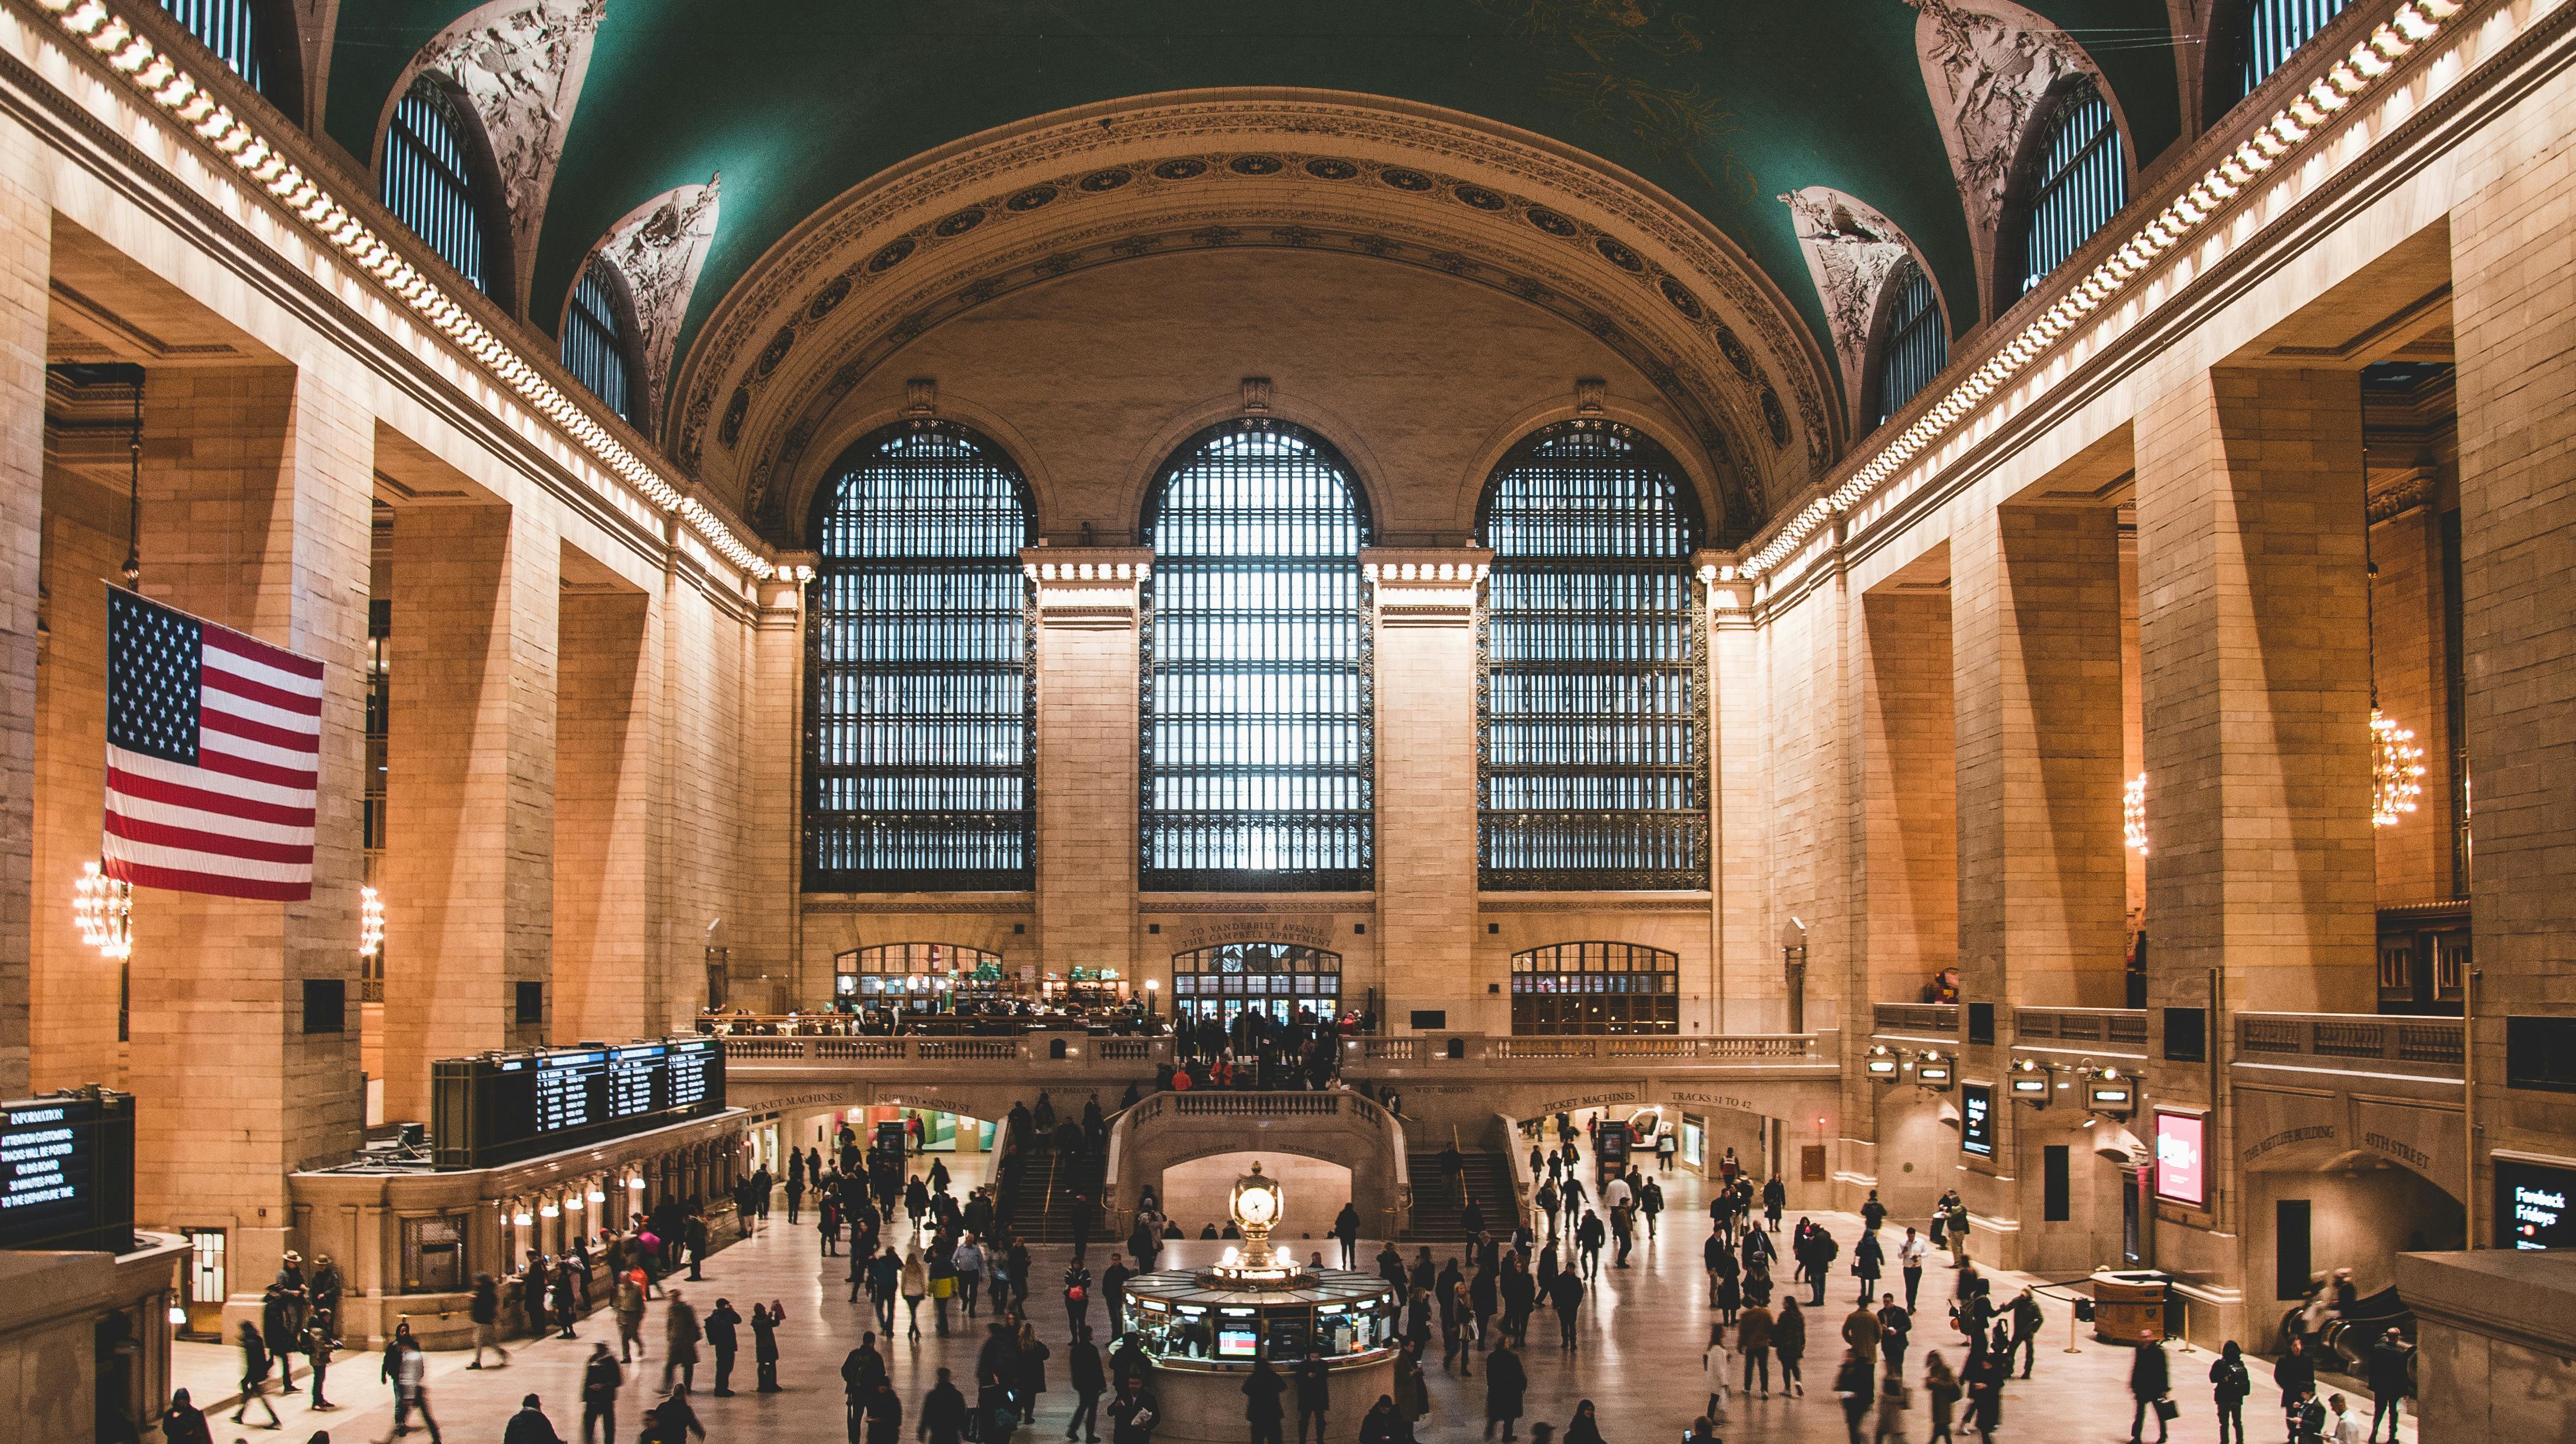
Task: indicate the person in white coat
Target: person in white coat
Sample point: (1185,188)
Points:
(1717,1362)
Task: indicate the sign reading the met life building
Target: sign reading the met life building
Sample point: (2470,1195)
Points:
(67,1173)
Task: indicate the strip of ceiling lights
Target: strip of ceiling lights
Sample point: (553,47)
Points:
(158,76)
(2414,23)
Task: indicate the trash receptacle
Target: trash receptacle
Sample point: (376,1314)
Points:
(2129,1306)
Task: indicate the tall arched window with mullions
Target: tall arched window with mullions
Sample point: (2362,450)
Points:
(1592,727)
(919,695)
(245,35)
(2253,38)
(2078,181)
(1257,763)
(1913,345)
(439,181)
(597,337)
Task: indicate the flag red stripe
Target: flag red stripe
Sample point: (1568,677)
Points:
(210,760)
(181,880)
(219,680)
(249,731)
(134,829)
(138,785)
(252,649)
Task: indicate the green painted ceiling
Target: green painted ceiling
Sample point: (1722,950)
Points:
(1725,105)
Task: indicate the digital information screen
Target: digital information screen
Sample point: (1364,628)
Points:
(2182,1168)
(1977,1119)
(2532,1202)
(67,1173)
(503,1107)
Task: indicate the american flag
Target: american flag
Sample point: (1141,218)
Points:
(214,743)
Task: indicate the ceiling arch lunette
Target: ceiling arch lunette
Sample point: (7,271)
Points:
(1987,65)
(859,247)
(659,247)
(520,65)
(1852,252)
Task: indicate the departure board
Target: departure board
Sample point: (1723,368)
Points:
(503,1107)
(67,1172)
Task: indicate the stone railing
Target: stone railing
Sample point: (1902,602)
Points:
(1673,1048)
(1143,1138)
(2081,1025)
(1914,1017)
(2428,1045)
(1126,1056)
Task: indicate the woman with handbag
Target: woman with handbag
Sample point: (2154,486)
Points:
(916,1284)
(1077,1297)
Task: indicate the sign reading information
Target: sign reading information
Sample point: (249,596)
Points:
(67,1173)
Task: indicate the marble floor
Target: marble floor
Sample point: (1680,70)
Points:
(1638,1361)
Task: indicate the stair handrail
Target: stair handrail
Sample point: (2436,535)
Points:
(1524,1183)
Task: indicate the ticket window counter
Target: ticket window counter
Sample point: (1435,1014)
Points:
(1221,1327)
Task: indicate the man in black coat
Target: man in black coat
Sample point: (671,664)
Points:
(530,1425)
(1082,1366)
(1314,1395)
(2149,1381)
(721,1326)
(1506,1389)
(2388,1382)
(1261,1410)
(943,1414)
(600,1380)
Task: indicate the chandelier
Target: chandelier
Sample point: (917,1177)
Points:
(371,922)
(2133,814)
(103,909)
(2396,770)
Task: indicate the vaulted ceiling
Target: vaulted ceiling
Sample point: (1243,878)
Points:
(1726,112)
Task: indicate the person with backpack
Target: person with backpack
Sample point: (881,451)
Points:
(2229,1383)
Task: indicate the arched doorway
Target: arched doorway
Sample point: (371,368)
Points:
(1228,979)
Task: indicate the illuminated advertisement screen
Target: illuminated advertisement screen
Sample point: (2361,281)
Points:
(1977,1119)
(2532,1205)
(2182,1165)
(1237,1343)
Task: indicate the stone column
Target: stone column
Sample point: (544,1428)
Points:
(469,843)
(2260,894)
(2035,634)
(774,761)
(604,984)
(1087,757)
(2513,295)
(1909,792)
(26,243)
(1426,787)
(1745,985)
(256,514)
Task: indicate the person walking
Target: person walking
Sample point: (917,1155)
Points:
(484,1309)
(2296,1372)
(1261,1411)
(1346,1228)
(318,1346)
(1909,1262)
(1132,1415)
(723,1330)
(2229,1382)
(1856,1383)
(280,1327)
(1082,1370)
(1077,1296)
(1894,1324)
(183,1422)
(1872,1213)
(601,1378)
(1589,1236)
(1506,1389)
(1753,1341)
(916,1287)
(2389,1381)
(1868,1261)
(2150,1380)
(530,1425)
(411,1390)
(764,1343)
(1717,1369)
(943,1413)
(1583,1428)
(630,1316)
(680,1335)
(1941,1394)
(883,1410)
(254,1375)
(1314,1395)
(2026,1320)
(968,1259)
(1789,1343)
(1566,1295)
(1775,1201)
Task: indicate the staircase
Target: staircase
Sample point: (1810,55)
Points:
(1042,1209)
(1435,1212)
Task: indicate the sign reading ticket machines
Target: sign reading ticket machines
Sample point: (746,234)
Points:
(67,1172)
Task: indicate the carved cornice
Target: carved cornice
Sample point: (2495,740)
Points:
(1087,588)
(1425,586)
(1403,184)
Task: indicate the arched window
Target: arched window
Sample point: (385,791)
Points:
(237,32)
(2260,37)
(430,170)
(1257,765)
(595,332)
(919,688)
(2080,182)
(1592,723)
(1915,345)
(909,977)
(1596,988)
(1279,979)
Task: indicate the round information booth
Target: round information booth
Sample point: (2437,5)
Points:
(1205,1329)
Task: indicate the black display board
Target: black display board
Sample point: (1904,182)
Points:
(503,1107)
(67,1172)
(2535,1205)
(1977,1119)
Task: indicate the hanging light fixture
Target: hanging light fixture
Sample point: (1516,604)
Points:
(371,922)
(103,908)
(2396,763)
(2133,814)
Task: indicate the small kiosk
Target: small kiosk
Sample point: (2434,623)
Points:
(1205,1329)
